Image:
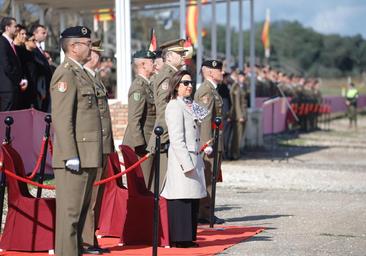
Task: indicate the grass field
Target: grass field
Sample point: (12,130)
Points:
(333,87)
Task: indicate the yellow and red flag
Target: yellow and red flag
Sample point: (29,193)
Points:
(153,41)
(104,15)
(265,36)
(192,20)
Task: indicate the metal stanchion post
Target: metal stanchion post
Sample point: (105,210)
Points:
(158,132)
(48,121)
(214,171)
(8,121)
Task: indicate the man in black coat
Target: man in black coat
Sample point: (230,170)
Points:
(11,74)
(43,70)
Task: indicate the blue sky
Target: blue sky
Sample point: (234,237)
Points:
(344,17)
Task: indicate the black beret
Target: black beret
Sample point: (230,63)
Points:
(76,32)
(215,64)
(144,54)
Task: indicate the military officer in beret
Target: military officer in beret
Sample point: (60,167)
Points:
(173,53)
(141,109)
(91,222)
(207,96)
(78,139)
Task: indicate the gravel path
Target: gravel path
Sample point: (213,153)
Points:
(308,190)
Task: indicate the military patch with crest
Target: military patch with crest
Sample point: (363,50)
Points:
(205,99)
(136,96)
(165,85)
(62,86)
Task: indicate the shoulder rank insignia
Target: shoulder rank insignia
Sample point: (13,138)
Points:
(136,96)
(62,86)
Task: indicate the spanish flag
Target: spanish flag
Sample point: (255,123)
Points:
(104,15)
(153,41)
(265,36)
(192,20)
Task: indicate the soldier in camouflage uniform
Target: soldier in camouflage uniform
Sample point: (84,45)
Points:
(141,110)
(208,97)
(173,56)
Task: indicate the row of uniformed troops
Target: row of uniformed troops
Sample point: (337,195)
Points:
(83,134)
(306,99)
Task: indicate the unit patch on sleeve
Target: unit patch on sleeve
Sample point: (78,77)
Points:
(136,96)
(62,86)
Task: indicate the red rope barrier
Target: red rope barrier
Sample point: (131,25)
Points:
(25,180)
(50,146)
(205,145)
(39,160)
(124,172)
(51,187)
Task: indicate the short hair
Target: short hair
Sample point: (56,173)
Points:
(36,26)
(65,42)
(6,21)
(174,82)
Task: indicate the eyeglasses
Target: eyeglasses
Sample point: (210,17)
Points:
(187,82)
(88,44)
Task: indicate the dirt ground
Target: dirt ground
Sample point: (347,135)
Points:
(308,190)
(311,202)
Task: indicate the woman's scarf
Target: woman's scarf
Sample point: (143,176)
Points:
(197,111)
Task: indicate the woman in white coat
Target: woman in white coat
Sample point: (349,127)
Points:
(185,183)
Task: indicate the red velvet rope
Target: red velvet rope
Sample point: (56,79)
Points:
(50,146)
(124,172)
(51,187)
(39,160)
(205,145)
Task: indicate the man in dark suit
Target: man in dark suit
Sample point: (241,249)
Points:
(10,68)
(43,69)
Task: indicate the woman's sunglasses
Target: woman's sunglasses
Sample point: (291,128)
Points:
(187,82)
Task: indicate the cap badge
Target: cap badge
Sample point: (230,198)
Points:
(84,31)
(214,63)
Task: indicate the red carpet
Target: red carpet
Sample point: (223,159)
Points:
(210,241)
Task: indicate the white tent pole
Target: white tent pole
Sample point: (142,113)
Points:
(213,31)
(15,12)
(123,49)
(241,40)
(199,43)
(252,56)
(62,28)
(182,18)
(228,36)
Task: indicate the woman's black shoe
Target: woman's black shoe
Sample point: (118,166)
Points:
(186,244)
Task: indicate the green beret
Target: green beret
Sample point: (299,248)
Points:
(76,32)
(215,64)
(144,54)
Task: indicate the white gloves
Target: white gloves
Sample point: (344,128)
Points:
(23,84)
(208,150)
(73,164)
